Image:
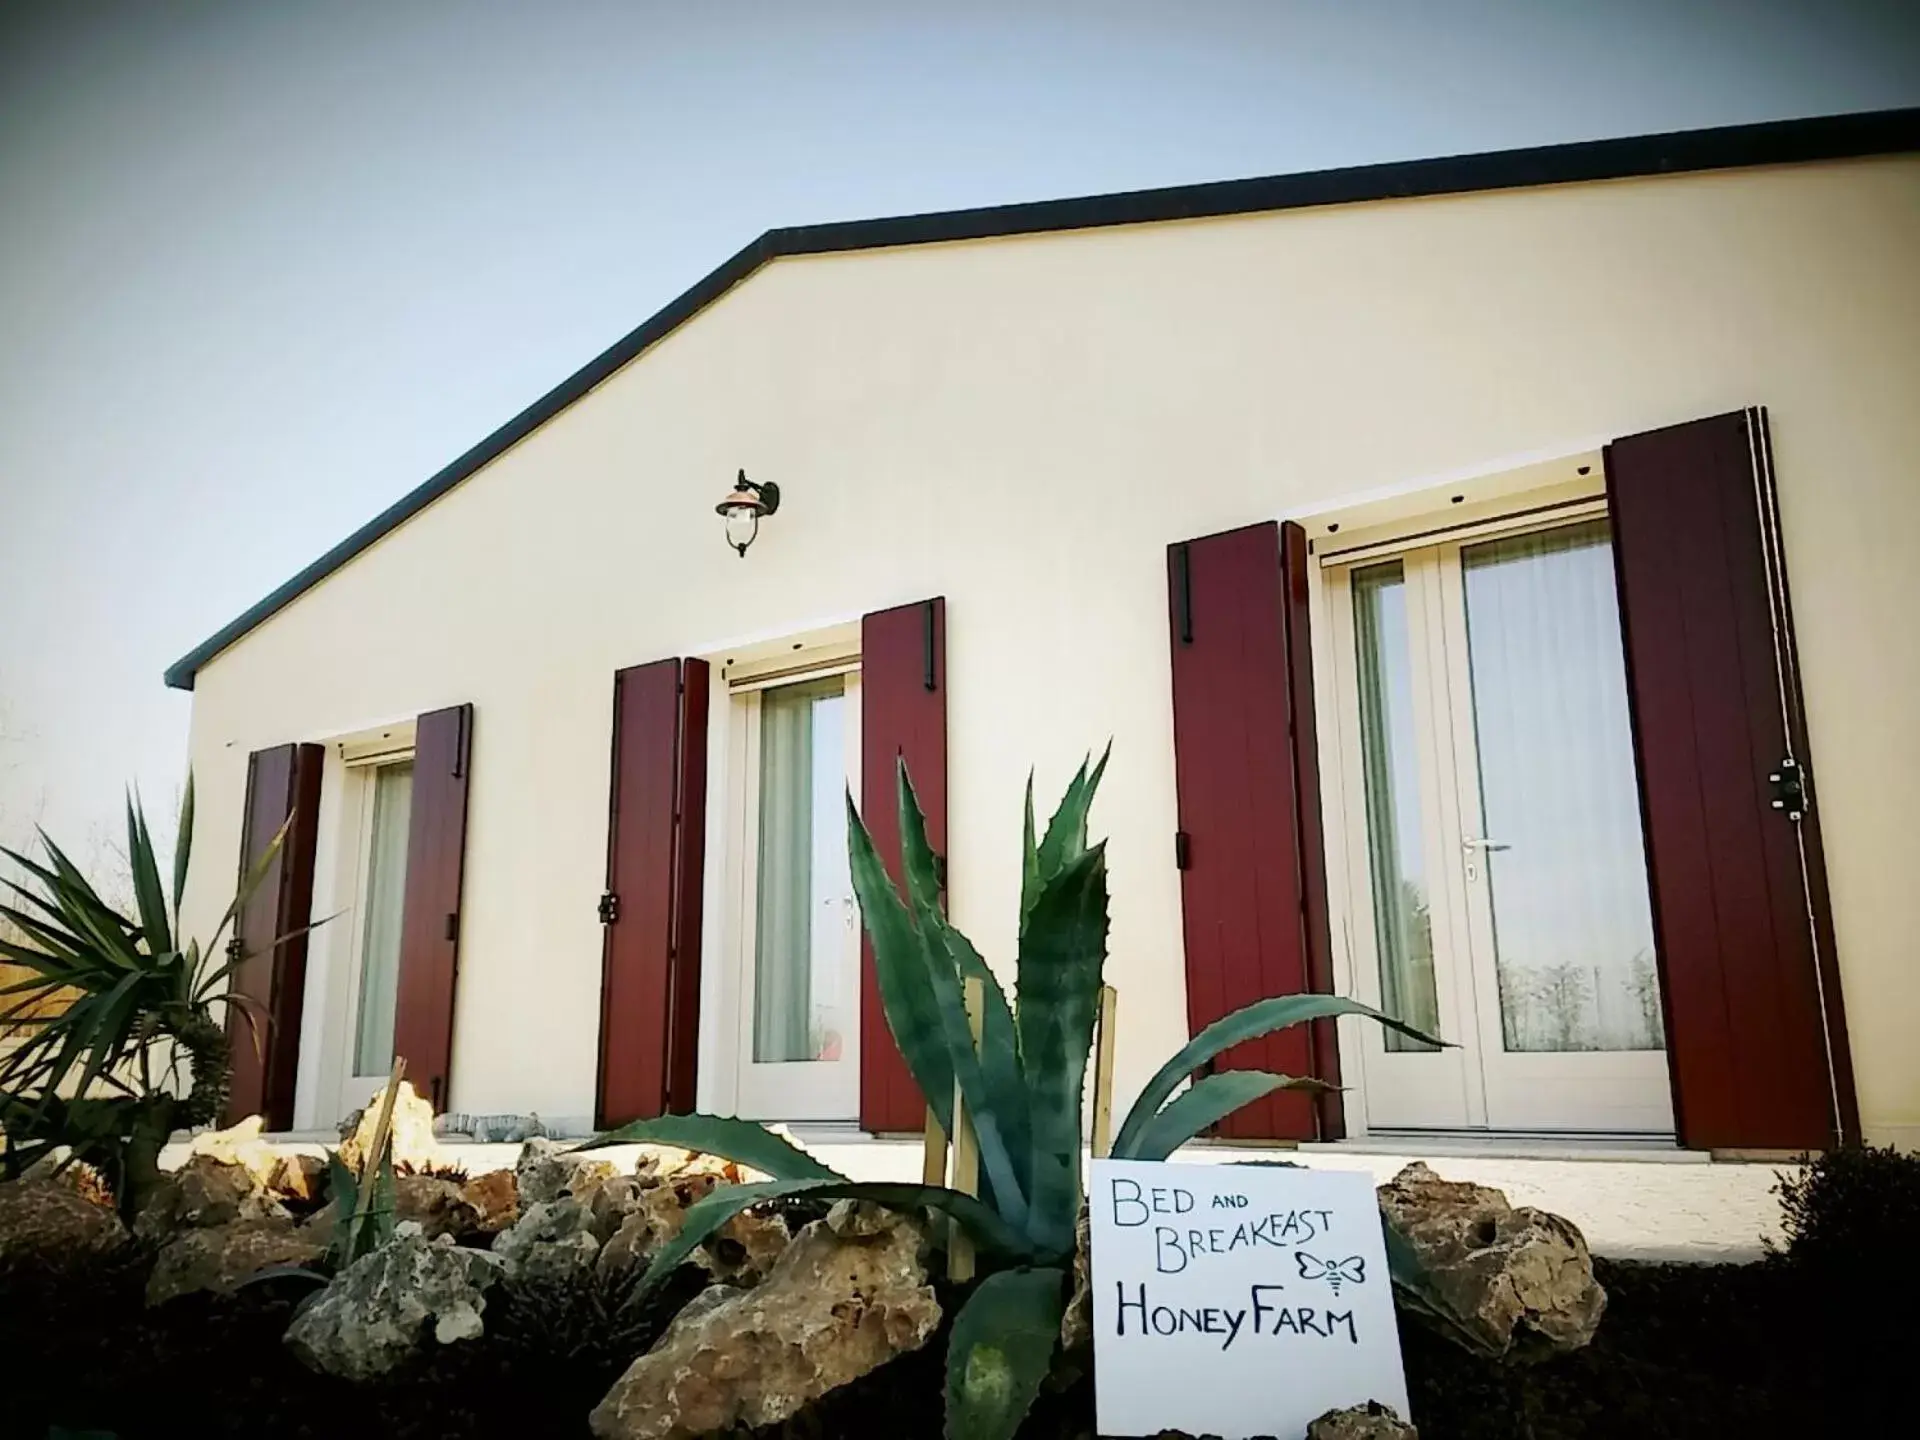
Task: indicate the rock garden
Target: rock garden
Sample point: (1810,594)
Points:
(699,1275)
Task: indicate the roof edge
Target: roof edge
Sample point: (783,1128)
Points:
(1775,142)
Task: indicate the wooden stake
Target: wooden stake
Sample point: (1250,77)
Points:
(933,1152)
(966,1148)
(1103,1075)
(382,1136)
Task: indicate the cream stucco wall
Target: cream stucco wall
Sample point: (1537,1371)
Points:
(1023,425)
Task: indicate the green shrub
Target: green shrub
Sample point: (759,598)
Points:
(109,1006)
(1853,1209)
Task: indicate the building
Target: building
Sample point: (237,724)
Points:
(1419,534)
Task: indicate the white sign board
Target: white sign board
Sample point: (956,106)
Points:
(1238,1300)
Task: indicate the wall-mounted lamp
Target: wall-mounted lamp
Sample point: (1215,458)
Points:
(744,507)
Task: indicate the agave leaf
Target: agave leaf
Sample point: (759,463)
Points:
(1000,1066)
(920,993)
(970,1075)
(1029,856)
(744,1141)
(906,990)
(147,894)
(1262,1017)
(1063,949)
(704,1218)
(183,845)
(1207,1102)
(1000,1351)
(1066,837)
(1000,1063)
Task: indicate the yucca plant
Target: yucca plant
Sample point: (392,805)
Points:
(110,1007)
(1022,1086)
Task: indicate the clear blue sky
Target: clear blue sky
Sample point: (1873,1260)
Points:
(263,268)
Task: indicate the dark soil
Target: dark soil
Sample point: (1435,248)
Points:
(1684,1351)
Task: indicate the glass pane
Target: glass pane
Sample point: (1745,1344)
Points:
(380,932)
(1402,926)
(1573,930)
(801,996)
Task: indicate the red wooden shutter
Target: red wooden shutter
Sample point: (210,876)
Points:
(282,784)
(1253,882)
(656,847)
(903,712)
(430,920)
(1756,1038)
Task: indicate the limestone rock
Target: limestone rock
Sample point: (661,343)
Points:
(546,1171)
(746,1249)
(380,1309)
(41,1219)
(654,1217)
(413,1142)
(834,1308)
(205,1192)
(439,1206)
(494,1200)
(552,1240)
(851,1219)
(1509,1283)
(219,1258)
(240,1144)
(300,1177)
(1371,1421)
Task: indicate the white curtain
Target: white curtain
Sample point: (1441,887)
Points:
(386,893)
(1402,924)
(1573,930)
(802,910)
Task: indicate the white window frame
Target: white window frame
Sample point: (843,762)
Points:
(334,948)
(1428,543)
(739,680)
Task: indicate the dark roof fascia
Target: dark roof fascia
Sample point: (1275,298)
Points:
(1780,142)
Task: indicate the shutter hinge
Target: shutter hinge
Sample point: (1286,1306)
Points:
(1182,850)
(1789,789)
(453,926)
(609,907)
(236,951)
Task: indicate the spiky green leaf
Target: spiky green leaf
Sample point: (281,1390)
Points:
(1262,1017)
(1000,1064)
(743,1141)
(1063,948)
(1066,837)
(147,894)
(906,990)
(921,995)
(183,845)
(1206,1102)
(1000,1351)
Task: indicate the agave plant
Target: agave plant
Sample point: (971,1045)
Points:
(1022,1085)
(110,1007)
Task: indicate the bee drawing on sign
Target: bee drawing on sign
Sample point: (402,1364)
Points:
(1350,1271)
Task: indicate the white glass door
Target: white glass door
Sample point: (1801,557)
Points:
(799,1041)
(1497,881)
(386,797)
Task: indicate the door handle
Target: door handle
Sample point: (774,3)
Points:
(1470,843)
